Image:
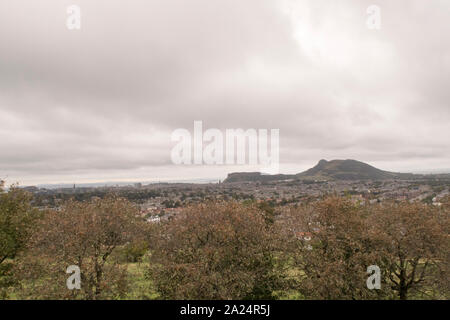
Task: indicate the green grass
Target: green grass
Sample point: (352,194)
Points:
(140,286)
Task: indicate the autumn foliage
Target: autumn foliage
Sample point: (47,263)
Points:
(409,242)
(84,234)
(224,250)
(217,251)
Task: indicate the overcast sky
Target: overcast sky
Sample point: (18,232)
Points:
(100,103)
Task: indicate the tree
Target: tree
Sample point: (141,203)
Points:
(334,241)
(84,234)
(217,250)
(413,243)
(269,211)
(133,252)
(16,219)
(331,249)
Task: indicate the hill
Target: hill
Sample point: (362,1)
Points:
(347,170)
(326,170)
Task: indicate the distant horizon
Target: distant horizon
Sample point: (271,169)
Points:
(190,179)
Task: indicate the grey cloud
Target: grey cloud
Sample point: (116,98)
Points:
(102,101)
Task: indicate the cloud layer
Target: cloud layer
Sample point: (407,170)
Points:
(100,103)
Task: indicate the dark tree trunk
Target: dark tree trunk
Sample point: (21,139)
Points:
(403,294)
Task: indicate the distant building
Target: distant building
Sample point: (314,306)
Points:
(155,219)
